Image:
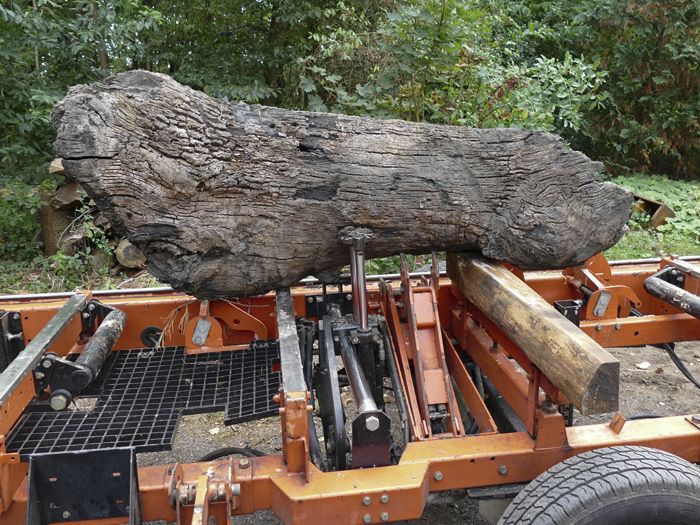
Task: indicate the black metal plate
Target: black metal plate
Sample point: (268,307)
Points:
(146,392)
(74,486)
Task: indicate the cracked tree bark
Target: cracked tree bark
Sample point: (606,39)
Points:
(227,199)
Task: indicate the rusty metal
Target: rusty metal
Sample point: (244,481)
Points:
(427,322)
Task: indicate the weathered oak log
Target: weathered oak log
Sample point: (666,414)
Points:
(578,366)
(231,199)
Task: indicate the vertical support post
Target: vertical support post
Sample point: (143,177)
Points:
(293,397)
(359,283)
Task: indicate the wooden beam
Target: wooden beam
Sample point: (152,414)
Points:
(578,366)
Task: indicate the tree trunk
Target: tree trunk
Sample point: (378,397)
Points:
(578,366)
(228,199)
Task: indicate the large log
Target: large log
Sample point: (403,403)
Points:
(227,199)
(578,366)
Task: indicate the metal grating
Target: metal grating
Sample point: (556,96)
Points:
(144,393)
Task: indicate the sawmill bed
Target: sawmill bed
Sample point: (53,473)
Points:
(144,392)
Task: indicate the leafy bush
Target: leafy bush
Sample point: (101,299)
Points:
(436,61)
(651,51)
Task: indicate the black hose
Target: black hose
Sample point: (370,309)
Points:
(317,458)
(398,389)
(229,451)
(675,359)
(643,416)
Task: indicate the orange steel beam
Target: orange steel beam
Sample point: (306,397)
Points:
(468,389)
(298,492)
(426,466)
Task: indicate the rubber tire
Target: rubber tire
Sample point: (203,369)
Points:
(611,486)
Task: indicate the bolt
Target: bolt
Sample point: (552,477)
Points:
(309,299)
(367,518)
(91,307)
(366,501)
(372,423)
(598,327)
(86,315)
(58,402)
(336,338)
(503,470)
(695,419)
(244,463)
(384,498)
(384,516)
(66,514)
(618,326)
(355,340)
(15,316)
(438,476)
(39,375)
(375,337)
(348,296)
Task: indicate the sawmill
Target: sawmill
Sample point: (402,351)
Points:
(262,221)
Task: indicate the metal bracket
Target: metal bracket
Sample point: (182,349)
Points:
(317,306)
(11,337)
(76,486)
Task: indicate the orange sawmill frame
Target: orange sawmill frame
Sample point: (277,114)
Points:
(296,490)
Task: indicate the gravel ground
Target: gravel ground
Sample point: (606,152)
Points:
(657,389)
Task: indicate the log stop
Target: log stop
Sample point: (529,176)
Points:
(229,199)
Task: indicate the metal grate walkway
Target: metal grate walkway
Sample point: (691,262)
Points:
(143,393)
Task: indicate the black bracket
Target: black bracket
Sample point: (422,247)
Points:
(75,486)
(571,309)
(61,374)
(11,337)
(93,311)
(318,306)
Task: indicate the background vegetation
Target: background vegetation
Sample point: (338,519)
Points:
(617,79)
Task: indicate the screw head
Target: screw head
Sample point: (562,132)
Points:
(244,463)
(39,375)
(15,316)
(66,514)
(438,476)
(367,518)
(58,402)
(503,470)
(366,501)
(348,296)
(46,363)
(355,340)
(372,423)
(599,328)
(384,516)
(384,498)
(309,299)
(618,326)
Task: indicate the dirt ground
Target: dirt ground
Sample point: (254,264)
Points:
(657,389)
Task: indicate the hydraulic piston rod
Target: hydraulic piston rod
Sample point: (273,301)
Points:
(358,382)
(359,283)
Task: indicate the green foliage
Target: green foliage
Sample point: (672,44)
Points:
(436,61)
(651,51)
(679,236)
(615,78)
(19,208)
